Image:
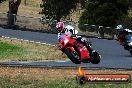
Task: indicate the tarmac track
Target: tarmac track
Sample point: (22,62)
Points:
(113,55)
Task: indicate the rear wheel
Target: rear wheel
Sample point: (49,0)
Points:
(73,56)
(95,58)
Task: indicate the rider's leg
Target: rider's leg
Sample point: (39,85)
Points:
(86,44)
(88,47)
(60,36)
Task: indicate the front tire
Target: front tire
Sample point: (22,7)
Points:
(95,58)
(73,56)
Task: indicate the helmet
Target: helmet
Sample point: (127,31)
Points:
(71,29)
(119,27)
(60,25)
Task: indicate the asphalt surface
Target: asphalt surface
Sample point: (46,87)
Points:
(28,35)
(113,55)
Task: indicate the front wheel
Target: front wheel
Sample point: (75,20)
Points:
(73,56)
(95,58)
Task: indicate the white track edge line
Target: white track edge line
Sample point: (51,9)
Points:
(27,41)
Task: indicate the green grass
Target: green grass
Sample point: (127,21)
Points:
(7,50)
(72,83)
(21,82)
(15,50)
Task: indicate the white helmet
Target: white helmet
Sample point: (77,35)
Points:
(71,29)
(119,27)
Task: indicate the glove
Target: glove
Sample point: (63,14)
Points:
(83,40)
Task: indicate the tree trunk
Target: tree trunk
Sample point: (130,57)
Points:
(13,9)
(130,4)
(25,1)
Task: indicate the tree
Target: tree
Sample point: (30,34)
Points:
(13,9)
(57,8)
(104,12)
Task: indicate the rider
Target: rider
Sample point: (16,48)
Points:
(122,33)
(60,29)
(70,31)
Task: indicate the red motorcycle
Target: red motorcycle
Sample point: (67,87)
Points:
(77,52)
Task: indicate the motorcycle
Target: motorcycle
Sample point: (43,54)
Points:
(128,43)
(76,51)
(125,39)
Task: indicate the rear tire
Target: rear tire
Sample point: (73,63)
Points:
(73,56)
(95,58)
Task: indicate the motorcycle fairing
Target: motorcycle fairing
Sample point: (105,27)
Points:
(67,42)
(84,53)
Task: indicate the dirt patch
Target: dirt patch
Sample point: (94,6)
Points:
(37,73)
(52,74)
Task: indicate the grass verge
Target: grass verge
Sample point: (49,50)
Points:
(24,51)
(51,78)
(7,50)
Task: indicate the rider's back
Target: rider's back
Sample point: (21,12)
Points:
(69,30)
